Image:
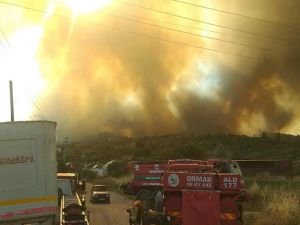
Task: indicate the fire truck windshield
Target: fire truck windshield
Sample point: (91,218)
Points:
(234,168)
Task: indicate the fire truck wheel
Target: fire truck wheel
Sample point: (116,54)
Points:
(145,197)
(151,219)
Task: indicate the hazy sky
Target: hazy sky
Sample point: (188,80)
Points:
(150,67)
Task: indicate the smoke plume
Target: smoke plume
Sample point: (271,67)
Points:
(111,75)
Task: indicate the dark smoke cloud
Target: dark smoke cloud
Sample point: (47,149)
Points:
(109,81)
(240,98)
(102,70)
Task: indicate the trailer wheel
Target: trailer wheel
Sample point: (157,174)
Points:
(145,197)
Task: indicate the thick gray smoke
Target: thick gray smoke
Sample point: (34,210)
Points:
(107,80)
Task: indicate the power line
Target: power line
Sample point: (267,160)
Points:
(136,33)
(201,21)
(158,11)
(179,43)
(4,36)
(42,11)
(41,105)
(51,116)
(167,13)
(37,106)
(240,15)
(5,39)
(10,48)
(2,45)
(199,35)
(196,28)
(32,101)
(22,6)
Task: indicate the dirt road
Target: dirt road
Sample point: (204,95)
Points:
(115,212)
(109,214)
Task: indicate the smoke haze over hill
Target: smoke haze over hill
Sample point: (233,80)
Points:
(113,75)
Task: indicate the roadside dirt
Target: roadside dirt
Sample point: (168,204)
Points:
(109,214)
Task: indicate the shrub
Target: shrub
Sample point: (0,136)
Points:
(118,168)
(109,181)
(112,183)
(88,175)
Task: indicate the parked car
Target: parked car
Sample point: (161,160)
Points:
(99,193)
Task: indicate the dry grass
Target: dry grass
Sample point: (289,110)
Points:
(273,203)
(282,209)
(259,195)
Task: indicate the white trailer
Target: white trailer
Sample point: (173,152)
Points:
(28,187)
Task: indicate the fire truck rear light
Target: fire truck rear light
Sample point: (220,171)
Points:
(228,216)
(174,213)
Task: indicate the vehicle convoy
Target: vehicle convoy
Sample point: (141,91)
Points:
(197,192)
(28,189)
(99,193)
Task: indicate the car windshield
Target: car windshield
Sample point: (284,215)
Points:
(99,188)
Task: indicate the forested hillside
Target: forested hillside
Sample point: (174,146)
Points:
(265,146)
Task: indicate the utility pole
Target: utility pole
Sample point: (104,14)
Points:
(12,113)
(64,152)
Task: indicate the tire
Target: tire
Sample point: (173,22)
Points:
(151,219)
(145,197)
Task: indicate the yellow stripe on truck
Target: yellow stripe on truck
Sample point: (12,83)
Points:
(50,198)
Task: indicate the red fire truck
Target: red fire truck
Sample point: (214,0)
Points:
(147,176)
(146,180)
(202,192)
